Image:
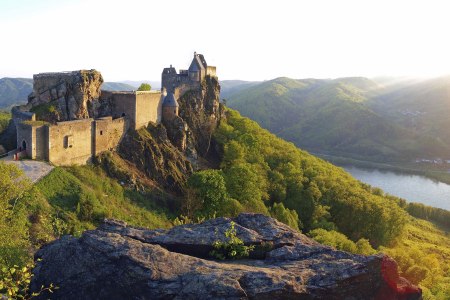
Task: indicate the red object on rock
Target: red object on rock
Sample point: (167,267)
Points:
(402,288)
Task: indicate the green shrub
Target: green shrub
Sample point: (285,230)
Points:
(233,248)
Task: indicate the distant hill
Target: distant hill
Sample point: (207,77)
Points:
(423,107)
(231,87)
(117,86)
(334,117)
(156,85)
(15,91)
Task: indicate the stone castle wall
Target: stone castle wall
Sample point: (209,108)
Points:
(140,107)
(108,133)
(70,143)
(148,108)
(36,139)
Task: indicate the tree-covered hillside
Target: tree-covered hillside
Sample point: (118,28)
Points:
(334,117)
(258,172)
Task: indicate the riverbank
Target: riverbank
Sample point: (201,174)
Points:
(437,173)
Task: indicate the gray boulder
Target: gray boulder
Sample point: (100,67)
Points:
(117,261)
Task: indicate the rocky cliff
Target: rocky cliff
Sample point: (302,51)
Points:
(65,96)
(200,112)
(151,151)
(117,261)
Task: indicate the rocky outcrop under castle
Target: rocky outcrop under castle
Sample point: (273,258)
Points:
(66,96)
(116,261)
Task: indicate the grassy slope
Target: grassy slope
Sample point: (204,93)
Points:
(332,116)
(64,188)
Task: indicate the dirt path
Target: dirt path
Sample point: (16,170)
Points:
(33,169)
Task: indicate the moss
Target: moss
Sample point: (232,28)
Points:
(47,111)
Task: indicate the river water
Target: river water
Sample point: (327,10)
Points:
(413,188)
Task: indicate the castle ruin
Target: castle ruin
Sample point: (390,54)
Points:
(69,119)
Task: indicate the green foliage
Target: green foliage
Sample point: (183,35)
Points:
(233,248)
(14,188)
(14,282)
(4,120)
(423,257)
(285,215)
(144,87)
(344,117)
(46,111)
(438,215)
(341,242)
(83,196)
(209,189)
(261,169)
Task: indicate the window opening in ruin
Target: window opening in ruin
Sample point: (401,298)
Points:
(24,145)
(123,114)
(101,132)
(68,141)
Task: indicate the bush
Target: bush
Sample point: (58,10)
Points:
(234,248)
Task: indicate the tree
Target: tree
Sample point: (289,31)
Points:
(209,189)
(144,87)
(13,219)
(285,215)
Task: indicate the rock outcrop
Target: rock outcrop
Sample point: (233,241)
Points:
(66,96)
(202,112)
(151,151)
(116,261)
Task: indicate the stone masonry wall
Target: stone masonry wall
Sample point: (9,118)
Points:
(71,142)
(40,136)
(148,108)
(108,133)
(124,105)
(25,133)
(116,131)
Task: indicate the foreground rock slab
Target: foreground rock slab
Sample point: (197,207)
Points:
(117,261)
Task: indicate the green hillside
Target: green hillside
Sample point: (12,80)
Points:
(334,117)
(258,172)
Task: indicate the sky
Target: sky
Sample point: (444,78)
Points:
(247,40)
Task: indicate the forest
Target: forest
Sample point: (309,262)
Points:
(259,173)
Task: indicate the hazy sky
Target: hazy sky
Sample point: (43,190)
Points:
(250,40)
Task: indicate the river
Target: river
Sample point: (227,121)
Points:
(413,188)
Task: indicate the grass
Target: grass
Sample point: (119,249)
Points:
(66,189)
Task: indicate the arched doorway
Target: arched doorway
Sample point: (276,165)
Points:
(24,145)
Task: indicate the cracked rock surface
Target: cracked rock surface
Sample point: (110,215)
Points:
(117,261)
